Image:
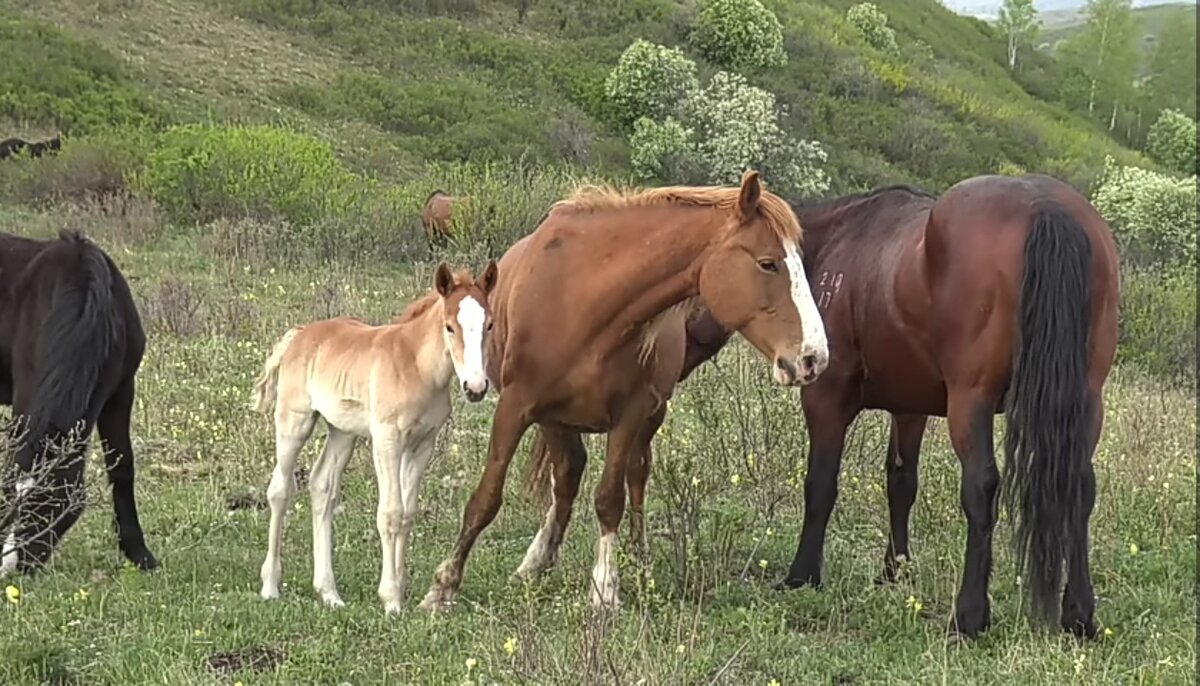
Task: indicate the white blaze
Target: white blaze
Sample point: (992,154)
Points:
(815,342)
(471,318)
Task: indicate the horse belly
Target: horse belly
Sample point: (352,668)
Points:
(345,414)
(898,377)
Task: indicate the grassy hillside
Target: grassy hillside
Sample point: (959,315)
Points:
(396,85)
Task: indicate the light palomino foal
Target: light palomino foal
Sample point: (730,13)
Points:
(390,383)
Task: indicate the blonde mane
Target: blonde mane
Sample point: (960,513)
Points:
(594,198)
(777,213)
(419,307)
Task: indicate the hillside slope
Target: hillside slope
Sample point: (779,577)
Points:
(399,84)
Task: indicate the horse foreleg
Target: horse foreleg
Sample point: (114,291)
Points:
(508,426)
(827,421)
(412,472)
(387,448)
(324,485)
(637,475)
(903,454)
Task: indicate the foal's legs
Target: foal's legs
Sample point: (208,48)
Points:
(569,459)
(970,414)
(324,485)
(1079,600)
(904,451)
(508,426)
(827,417)
(412,472)
(387,446)
(118,460)
(292,430)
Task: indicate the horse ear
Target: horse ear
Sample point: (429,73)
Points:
(489,277)
(443,280)
(751,193)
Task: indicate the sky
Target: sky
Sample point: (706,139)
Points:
(991,7)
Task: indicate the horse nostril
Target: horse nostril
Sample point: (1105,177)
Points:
(808,363)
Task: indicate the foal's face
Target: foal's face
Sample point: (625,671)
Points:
(466,324)
(756,285)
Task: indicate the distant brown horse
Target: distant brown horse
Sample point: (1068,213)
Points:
(438,213)
(589,339)
(12,146)
(999,296)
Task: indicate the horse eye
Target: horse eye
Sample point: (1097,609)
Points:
(449,329)
(768,266)
(490,325)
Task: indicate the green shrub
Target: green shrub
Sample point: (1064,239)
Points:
(665,152)
(1172,141)
(872,23)
(199,173)
(88,167)
(1153,215)
(737,128)
(649,81)
(739,34)
(50,78)
(1158,323)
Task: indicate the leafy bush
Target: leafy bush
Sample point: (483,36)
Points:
(199,173)
(648,81)
(739,34)
(1158,323)
(50,78)
(85,168)
(872,23)
(1172,141)
(737,128)
(1153,215)
(661,150)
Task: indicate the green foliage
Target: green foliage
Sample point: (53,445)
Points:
(1019,23)
(199,173)
(1154,215)
(1101,61)
(1172,141)
(97,165)
(1158,323)
(739,34)
(1171,69)
(50,78)
(648,81)
(737,129)
(661,150)
(872,23)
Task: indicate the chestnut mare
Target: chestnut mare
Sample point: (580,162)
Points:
(589,339)
(439,211)
(388,383)
(999,296)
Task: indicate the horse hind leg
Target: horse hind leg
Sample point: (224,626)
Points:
(903,454)
(324,486)
(118,459)
(292,430)
(1079,600)
(568,459)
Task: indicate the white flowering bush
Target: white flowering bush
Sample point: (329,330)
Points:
(871,22)
(661,150)
(737,128)
(1172,141)
(649,81)
(739,34)
(1154,215)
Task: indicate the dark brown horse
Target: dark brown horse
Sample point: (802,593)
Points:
(999,296)
(70,347)
(12,146)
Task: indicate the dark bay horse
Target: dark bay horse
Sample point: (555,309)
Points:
(70,347)
(998,296)
(12,146)
(589,338)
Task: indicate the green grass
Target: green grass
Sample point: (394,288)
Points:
(703,611)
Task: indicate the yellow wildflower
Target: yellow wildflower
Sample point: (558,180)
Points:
(13,593)
(471,662)
(735,479)
(510,646)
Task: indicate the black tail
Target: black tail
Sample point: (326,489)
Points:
(1048,413)
(77,338)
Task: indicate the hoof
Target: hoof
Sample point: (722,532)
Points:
(143,560)
(332,600)
(438,600)
(269,593)
(1081,628)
